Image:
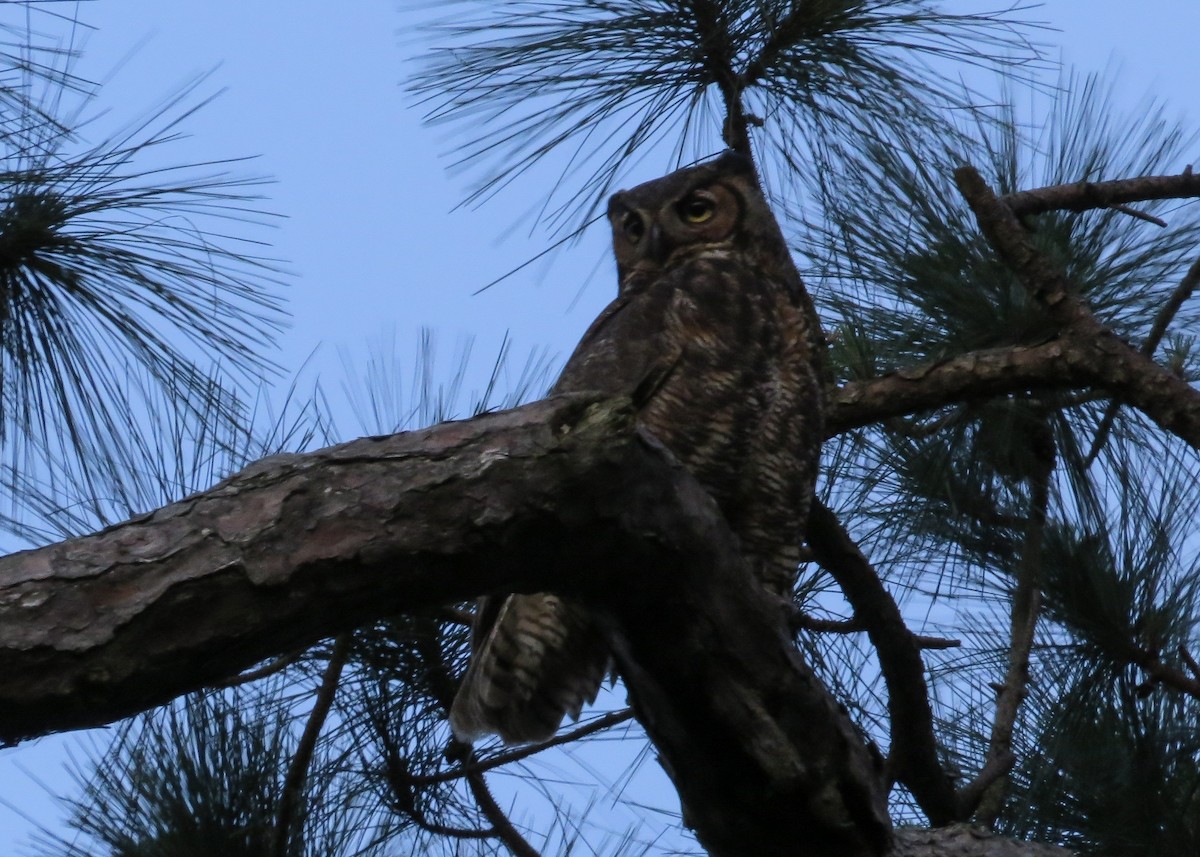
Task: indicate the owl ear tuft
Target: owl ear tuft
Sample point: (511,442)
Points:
(732,161)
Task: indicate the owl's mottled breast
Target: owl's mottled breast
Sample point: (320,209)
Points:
(725,349)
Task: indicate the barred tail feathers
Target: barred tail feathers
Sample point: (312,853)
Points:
(542,658)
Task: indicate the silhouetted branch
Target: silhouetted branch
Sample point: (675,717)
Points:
(502,826)
(1084,196)
(1183,291)
(599,724)
(1193,667)
(275,665)
(297,773)
(806,622)
(1139,215)
(1060,363)
(1130,376)
(715,50)
(1159,673)
(914,756)
(1026,607)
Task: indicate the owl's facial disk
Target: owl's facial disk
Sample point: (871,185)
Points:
(647,233)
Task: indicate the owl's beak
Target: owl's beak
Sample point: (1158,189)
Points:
(657,246)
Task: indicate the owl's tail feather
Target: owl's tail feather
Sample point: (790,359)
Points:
(541,659)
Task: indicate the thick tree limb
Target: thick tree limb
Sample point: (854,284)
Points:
(560,495)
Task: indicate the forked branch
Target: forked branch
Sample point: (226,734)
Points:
(1127,374)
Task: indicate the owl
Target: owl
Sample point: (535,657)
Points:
(715,339)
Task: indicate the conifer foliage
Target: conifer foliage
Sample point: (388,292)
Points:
(1001,581)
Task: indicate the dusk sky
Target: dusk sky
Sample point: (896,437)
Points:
(371,233)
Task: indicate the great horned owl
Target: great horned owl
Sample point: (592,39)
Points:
(713,335)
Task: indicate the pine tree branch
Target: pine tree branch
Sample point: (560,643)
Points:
(804,20)
(1159,673)
(502,826)
(1129,375)
(1137,214)
(1181,294)
(562,495)
(1026,607)
(966,840)
(1059,363)
(806,622)
(276,665)
(914,756)
(297,773)
(1193,667)
(1084,196)
(994,769)
(404,789)
(443,685)
(475,764)
(715,48)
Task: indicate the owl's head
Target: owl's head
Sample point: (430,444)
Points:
(714,206)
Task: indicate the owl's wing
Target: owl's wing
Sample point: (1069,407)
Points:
(540,658)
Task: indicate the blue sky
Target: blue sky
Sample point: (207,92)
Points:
(371,230)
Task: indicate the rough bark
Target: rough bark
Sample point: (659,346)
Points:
(1057,364)
(560,495)
(964,840)
(1084,196)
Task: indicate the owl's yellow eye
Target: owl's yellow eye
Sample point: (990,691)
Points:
(633,227)
(697,209)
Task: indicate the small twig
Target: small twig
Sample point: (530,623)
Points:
(803,621)
(475,765)
(1183,291)
(297,773)
(418,817)
(936,642)
(401,784)
(279,664)
(1140,215)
